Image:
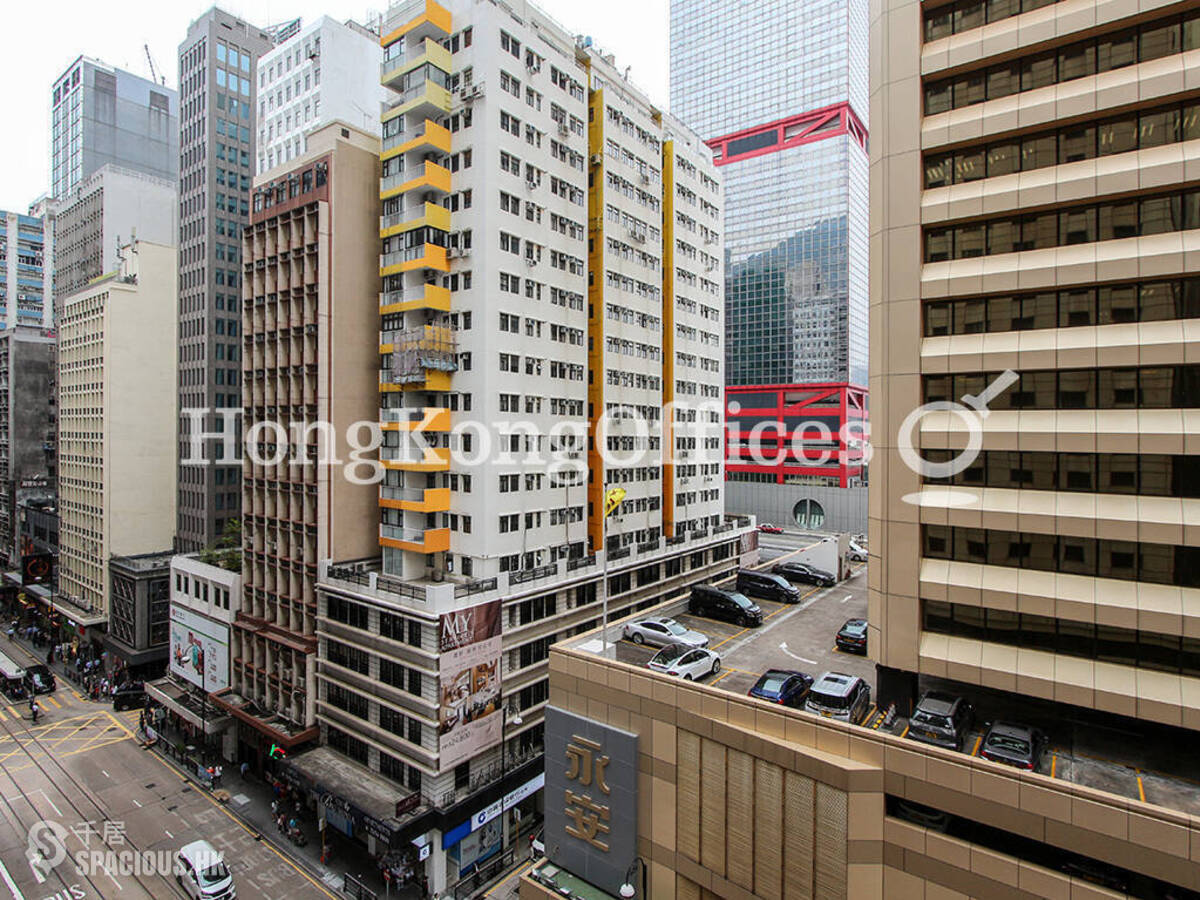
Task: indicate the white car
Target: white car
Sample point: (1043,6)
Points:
(659,631)
(688,663)
(202,873)
(857,552)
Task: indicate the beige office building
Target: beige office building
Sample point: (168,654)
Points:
(309,325)
(117,424)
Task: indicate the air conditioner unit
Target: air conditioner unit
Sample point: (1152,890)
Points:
(597,159)
(645,178)
(530,261)
(563,129)
(452,253)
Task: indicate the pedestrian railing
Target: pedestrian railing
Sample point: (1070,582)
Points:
(484,874)
(352,887)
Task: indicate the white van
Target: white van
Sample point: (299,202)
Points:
(202,873)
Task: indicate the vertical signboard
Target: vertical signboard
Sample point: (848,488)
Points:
(469,717)
(591,798)
(199,644)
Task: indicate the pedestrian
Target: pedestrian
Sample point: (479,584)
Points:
(275,809)
(275,790)
(245,767)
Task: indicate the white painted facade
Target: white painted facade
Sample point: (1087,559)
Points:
(329,70)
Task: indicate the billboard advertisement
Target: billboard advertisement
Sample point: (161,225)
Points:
(199,649)
(469,718)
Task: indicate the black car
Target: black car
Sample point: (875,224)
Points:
(942,720)
(727,605)
(782,686)
(40,680)
(767,585)
(130,695)
(853,636)
(1014,745)
(804,573)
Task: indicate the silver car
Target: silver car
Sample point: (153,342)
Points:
(658,631)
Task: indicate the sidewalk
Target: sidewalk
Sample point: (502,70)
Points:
(250,800)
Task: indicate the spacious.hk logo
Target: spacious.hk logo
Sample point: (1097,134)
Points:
(102,851)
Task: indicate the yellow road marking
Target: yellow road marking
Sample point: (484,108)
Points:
(1141,787)
(54,703)
(3,717)
(76,694)
(13,711)
(719,677)
(904,733)
(1053,764)
(517,875)
(978,741)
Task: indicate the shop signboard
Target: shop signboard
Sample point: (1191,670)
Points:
(469,717)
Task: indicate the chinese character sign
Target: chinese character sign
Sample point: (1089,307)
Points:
(591,798)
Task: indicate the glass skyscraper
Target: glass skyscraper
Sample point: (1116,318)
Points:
(780,91)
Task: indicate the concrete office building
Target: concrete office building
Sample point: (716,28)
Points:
(116,429)
(101,115)
(310,341)
(218,95)
(787,119)
(328,70)
(24,267)
(139,613)
(516,161)
(107,209)
(28,415)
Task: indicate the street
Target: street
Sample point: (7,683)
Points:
(82,768)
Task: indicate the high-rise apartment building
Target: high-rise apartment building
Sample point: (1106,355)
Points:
(328,70)
(28,462)
(787,118)
(218,88)
(116,428)
(543,273)
(23,270)
(106,210)
(101,115)
(310,262)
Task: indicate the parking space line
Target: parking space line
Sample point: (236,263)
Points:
(1141,787)
(724,674)
(978,741)
(904,733)
(730,638)
(1053,764)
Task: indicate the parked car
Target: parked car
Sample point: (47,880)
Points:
(942,720)
(40,680)
(1014,745)
(537,844)
(658,632)
(857,552)
(919,814)
(689,663)
(730,606)
(130,695)
(202,873)
(767,585)
(804,573)
(853,637)
(768,528)
(782,686)
(838,696)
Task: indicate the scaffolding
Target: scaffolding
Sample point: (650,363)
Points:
(420,350)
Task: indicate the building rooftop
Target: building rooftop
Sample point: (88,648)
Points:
(144,562)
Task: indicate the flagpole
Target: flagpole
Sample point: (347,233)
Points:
(604,575)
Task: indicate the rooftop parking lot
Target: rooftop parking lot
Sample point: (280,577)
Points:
(1136,760)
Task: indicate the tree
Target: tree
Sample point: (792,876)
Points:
(226,552)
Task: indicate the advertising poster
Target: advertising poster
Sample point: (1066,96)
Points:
(198,644)
(469,716)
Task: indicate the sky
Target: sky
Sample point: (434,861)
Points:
(39,42)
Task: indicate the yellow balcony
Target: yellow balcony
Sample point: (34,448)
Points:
(422,359)
(392,70)
(429,176)
(434,459)
(415,217)
(433,419)
(434,21)
(432,297)
(429,500)
(435,540)
(427,256)
(434,135)
(428,97)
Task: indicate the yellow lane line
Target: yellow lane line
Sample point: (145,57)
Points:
(978,741)
(54,703)
(904,733)
(1141,787)
(495,887)
(13,711)
(1053,764)
(719,677)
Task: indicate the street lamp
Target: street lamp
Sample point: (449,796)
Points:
(627,890)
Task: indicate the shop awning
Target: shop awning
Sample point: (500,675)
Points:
(187,705)
(355,796)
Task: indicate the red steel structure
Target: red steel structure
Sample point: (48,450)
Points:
(797,430)
(803,128)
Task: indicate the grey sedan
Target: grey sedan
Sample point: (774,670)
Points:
(658,632)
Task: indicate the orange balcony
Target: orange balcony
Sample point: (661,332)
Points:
(429,500)
(434,459)
(435,21)
(428,176)
(433,419)
(434,135)
(427,256)
(435,540)
(432,297)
